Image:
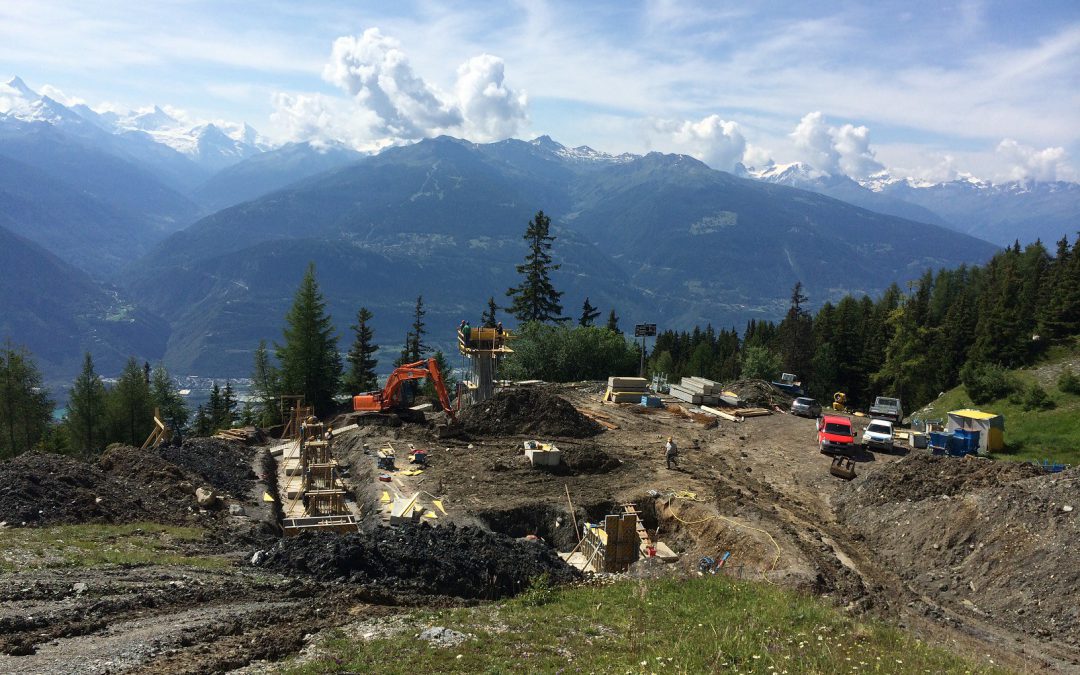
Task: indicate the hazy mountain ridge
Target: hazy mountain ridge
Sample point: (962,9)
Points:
(1000,213)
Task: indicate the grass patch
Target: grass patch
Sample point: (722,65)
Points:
(1029,434)
(699,625)
(94,545)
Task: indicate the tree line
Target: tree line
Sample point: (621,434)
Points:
(951,326)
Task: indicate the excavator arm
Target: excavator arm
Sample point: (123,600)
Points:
(390,396)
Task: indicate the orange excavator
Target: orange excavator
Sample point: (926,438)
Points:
(393,396)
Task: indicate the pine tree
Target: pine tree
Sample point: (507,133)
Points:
(447,372)
(613,322)
(536,299)
(403,356)
(310,363)
(228,405)
(25,406)
(214,408)
(202,426)
(796,337)
(588,313)
(416,346)
(265,387)
(361,357)
(131,415)
(166,398)
(85,421)
(489,319)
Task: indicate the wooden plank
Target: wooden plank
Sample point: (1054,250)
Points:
(721,414)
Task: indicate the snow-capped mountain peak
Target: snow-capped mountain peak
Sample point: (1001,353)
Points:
(18,85)
(792,173)
(152,120)
(582,153)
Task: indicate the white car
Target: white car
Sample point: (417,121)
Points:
(878,435)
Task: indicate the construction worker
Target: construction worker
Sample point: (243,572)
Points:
(498,335)
(466,330)
(671,452)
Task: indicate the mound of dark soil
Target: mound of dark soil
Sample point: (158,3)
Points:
(222,464)
(466,562)
(527,411)
(588,459)
(124,485)
(920,476)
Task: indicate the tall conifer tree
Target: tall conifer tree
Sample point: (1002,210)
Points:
(536,299)
(310,363)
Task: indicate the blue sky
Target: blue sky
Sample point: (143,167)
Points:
(921,88)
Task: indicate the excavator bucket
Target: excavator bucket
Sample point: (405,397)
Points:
(843,467)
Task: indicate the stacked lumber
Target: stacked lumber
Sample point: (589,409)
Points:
(245,435)
(625,389)
(697,390)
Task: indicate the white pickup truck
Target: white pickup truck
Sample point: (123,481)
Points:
(886,408)
(878,435)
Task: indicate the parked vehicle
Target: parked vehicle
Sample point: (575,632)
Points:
(805,407)
(887,409)
(878,435)
(835,436)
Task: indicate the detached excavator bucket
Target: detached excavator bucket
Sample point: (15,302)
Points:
(843,467)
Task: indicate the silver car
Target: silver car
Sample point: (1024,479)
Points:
(805,407)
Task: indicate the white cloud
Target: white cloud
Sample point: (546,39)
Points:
(717,142)
(1028,163)
(390,102)
(489,109)
(814,141)
(375,71)
(835,150)
(59,96)
(322,120)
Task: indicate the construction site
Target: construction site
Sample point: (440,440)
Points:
(403,504)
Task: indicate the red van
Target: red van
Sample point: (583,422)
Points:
(835,436)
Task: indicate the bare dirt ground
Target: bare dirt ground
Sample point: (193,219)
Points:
(884,543)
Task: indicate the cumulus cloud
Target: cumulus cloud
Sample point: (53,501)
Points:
(1027,163)
(489,109)
(835,150)
(715,141)
(392,103)
(322,120)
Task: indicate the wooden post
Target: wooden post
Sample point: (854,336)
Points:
(572,514)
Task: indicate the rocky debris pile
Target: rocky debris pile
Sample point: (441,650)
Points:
(527,411)
(464,562)
(759,393)
(125,485)
(223,464)
(921,476)
(995,540)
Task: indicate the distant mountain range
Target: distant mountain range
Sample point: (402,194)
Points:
(210,228)
(662,238)
(1022,211)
